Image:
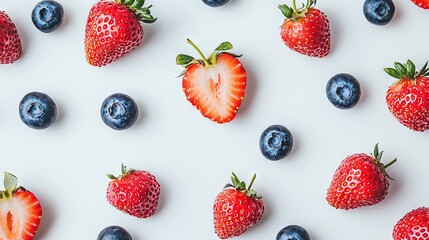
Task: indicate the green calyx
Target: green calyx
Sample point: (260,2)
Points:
(377,155)
(294,13)
(407,71)
(241,186)
(143,13)
(186,60)
(124,172)
(10,186)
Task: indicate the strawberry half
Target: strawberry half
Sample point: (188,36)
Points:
(20,211)
(306,30)
(408,98)
(10,42)
(215,86)
(113,29)
(135,192)
(360,180)
(236,209)
(422,3)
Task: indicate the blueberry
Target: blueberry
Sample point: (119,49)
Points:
(276,142)
(119,111)
(379,12)
(37,110)
(215,3)
(114,233)
(343,91)
(47,15)
(293,232)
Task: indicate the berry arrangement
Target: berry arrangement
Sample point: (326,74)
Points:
(216,87)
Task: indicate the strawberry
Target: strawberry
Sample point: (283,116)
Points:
(215,86)
(20,211)
(236,208)
(360,180)
(408,98)
(113,29)
(135,192)
(422,3)
(414,225)
(10,42)
(306,29)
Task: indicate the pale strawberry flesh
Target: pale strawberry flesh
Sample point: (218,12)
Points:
(20,216)
(217,90)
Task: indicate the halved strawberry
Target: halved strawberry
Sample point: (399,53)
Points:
(215,86)
(20,211)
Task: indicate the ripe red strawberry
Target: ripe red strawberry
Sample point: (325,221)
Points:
(360,180)
(20,211)
(414,225)
(135,192)
(422,3)
(10,43)
(215,86)
(236,209)
(408,98)
(113,29)
(306,29)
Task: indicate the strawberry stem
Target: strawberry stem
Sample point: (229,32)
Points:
(251,182)
(294,7)
(206,62)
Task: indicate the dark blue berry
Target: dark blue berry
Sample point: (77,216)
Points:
(343,91)
(37,110)
(293,232)
(119,111)
(215,3)
(114,233)
(379,12)
(47,16)
(276,142)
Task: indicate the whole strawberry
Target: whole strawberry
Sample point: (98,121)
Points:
(414,225)
(215,86)
(10,43)
(360,180)
(306,30)
(113,29)
(422,3)
(20,211)
(135,192)
(408,97)
(236,209)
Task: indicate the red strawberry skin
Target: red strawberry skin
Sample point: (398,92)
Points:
(20,216)
(235,212)
(216,91)
(357,182)
(409,103)
(136,193)
(422,3)
(309,35)
(112,30)
(413,226)
(10,42)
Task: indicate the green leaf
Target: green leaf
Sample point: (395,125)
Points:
(376,151)
(235,180)
(225,46)
(393,73)
(423,69)
(286,10)
(111,176)
(401,68)
(183,59)
(411,68)
(145,20)
(10,182)
(228,185)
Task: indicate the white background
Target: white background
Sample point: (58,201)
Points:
(65,165)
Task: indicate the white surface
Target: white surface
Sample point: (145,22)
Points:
(65,165)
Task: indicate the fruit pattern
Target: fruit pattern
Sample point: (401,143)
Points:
(216,87)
